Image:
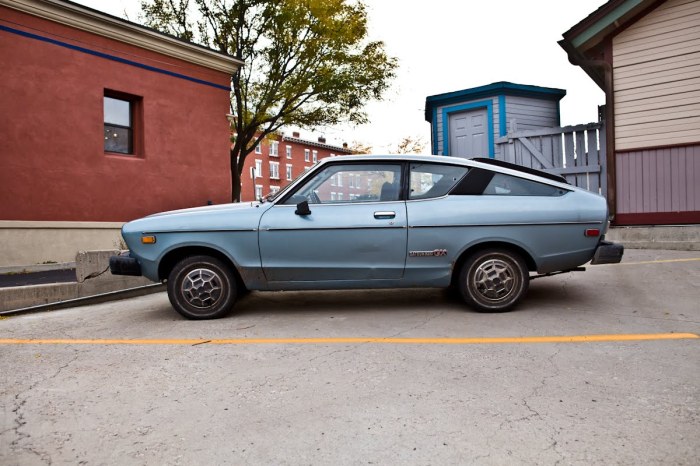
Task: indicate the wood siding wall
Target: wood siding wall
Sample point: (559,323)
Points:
(523,113)
(656,76)
(659,181)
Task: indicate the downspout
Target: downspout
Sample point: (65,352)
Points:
(609,125)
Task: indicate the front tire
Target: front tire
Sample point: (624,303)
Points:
(202,287)
(493,280)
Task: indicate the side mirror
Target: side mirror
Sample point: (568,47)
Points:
(303,208)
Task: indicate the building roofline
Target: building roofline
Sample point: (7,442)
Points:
(605,21)
(584,42)
(491,90)
(105,25)
(317,144)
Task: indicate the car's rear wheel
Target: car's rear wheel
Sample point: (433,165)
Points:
(202,287)
(493,280)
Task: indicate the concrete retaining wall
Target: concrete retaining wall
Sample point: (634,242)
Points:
(27,243)
(92,271)
(680,238)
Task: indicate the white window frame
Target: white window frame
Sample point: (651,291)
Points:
(258,168)
(258,149)
(314,155)
(307,155)
(289,152)
(274,149)
(290,173)
(274,170)
(258,191)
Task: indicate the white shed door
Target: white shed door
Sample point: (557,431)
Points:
(468,134)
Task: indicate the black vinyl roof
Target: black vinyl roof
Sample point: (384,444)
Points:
(520,168)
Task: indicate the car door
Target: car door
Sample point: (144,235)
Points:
(355,228)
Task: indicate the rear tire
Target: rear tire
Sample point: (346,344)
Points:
(202,287)
(493,280)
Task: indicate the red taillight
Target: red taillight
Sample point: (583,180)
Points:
(592,232)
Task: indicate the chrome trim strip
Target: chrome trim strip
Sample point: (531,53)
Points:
(393,227)
(594,222)
(158,232)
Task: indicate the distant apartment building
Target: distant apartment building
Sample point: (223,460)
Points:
(277,161)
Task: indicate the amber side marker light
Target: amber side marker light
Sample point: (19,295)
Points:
(148,239)
(591,232)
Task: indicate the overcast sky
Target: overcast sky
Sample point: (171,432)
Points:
(449,45)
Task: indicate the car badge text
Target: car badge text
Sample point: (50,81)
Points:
(433,253)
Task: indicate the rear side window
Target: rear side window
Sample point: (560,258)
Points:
(487,183)
(429,180)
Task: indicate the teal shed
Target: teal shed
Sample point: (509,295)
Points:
(465,123)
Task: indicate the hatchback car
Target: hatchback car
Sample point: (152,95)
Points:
(479,226)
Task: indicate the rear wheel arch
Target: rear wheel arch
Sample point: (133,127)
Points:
(469,252)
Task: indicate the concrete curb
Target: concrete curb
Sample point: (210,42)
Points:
(93,281)
(95,299)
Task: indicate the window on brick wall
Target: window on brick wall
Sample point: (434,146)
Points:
(258,168)
(274,149)
(121,130)
(275,170)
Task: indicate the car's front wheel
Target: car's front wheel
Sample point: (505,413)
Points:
(202,287)
(493,280)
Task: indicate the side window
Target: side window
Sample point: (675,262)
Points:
(488,183)
(506,185)
(428,180)
(377,183)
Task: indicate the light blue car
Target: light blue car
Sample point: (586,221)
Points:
(478,226)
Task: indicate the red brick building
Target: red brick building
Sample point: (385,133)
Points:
(279,160)
(103,121)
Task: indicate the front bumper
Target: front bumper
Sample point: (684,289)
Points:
(608,252)
(124,264)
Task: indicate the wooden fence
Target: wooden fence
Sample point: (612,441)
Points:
(575,152)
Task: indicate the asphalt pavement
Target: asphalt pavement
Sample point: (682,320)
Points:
(600,367)
(37,278)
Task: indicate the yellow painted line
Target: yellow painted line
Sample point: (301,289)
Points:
(306,341)
(662,261)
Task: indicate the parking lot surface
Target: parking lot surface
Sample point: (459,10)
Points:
(601,367)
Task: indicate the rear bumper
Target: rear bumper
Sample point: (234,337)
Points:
(608,253)
(124,265)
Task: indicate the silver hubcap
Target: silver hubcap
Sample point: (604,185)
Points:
(202,288)
(494,280)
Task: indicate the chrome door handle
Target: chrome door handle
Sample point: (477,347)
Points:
(383,215)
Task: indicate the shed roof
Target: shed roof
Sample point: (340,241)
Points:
(491,90)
